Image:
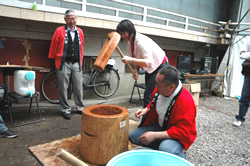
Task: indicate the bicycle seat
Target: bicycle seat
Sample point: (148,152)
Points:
(111,62)
(93,58)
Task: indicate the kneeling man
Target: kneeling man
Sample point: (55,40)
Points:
(168,122)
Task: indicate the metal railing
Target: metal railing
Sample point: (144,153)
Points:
(175,20)
(119,9)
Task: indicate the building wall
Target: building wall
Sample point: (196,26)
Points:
(244,8)
(39,33)
(201,9)
(14,31)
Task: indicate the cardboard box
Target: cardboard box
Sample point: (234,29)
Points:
(194,88)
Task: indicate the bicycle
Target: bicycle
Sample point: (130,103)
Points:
(105,83)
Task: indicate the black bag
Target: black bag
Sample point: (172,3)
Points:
(246,68)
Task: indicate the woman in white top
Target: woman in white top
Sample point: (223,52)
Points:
(144,53)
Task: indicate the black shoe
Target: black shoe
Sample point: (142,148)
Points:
(66,116)
(8,134)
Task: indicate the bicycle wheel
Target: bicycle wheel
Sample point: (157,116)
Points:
(106,82)
(49,88)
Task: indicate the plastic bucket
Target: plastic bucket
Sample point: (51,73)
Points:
(147,158)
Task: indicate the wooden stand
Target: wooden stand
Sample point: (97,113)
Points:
(104,132)
(209,77)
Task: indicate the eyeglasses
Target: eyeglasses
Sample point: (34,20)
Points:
(71,18)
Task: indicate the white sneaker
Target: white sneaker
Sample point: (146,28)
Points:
(237,123)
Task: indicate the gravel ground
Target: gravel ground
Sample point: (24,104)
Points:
(218,142)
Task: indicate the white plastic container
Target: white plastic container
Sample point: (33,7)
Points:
(24,82)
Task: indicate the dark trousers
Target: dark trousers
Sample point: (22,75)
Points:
(167,145)
(245,99)
(150,84)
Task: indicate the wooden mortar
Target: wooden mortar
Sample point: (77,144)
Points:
(104,132)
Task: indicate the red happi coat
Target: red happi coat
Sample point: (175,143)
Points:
(57,45)
(181,125)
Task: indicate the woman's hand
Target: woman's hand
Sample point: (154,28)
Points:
(135,76)
(126,59)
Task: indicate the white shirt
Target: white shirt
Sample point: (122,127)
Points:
(163,102)
(245,47)
(245,55)
(72,33)
(146,48)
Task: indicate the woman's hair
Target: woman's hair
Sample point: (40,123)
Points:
(126,26)
(171,75)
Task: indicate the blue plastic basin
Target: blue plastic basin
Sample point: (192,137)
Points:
(147,158)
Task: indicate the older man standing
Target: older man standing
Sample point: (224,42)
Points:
(67,50)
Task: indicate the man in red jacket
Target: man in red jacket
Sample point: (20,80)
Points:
(67,50)
(168,122)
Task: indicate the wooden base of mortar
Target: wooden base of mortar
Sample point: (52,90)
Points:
(46,153)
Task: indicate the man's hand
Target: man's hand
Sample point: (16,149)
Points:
(141,112)
(151,136)
(242,52)
(147,138)
(245,55)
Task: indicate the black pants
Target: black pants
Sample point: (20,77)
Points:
(244,102)
(150,84)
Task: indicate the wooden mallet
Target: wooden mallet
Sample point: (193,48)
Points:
(109,47)
(69,158)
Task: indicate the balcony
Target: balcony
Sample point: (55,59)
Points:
(148,20)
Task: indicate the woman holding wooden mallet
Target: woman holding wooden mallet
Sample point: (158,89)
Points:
(144,53)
